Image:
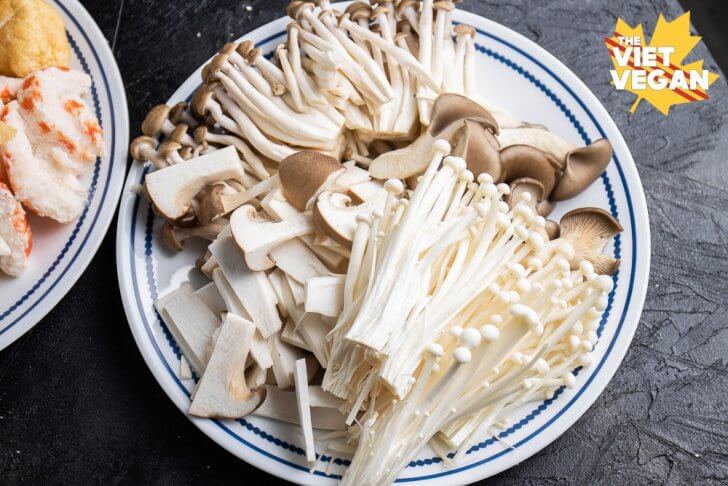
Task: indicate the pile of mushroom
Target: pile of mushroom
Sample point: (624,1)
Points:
(367,214)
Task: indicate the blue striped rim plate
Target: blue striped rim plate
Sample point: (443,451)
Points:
(536,87)
(62,252)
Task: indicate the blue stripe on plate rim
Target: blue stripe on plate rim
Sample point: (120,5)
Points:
(595,369)
(92,188)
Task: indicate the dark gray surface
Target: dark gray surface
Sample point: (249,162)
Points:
(78,405)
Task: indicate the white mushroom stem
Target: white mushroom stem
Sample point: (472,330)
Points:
(425,58)
(290,78)
(255,163)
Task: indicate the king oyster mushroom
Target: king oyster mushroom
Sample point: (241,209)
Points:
(172,188)
(335,216)
(589,230)
(304,173)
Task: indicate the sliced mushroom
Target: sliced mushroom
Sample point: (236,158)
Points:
(589,230)
(222,391)
(303,173)
(210,206)
(449,115)
(583,166)
(335,216)
(172,188)
(175,237)
(257,236)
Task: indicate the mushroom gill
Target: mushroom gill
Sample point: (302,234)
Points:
(589,230)
(519,161)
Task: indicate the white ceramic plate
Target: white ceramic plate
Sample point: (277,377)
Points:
(62,252)
(534,86)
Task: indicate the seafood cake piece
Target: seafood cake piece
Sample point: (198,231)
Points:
(48,162)
(9,88)
(14,232)
(51,102)
(39,179)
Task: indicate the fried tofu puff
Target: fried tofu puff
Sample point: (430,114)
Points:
(32,37)
(14,233)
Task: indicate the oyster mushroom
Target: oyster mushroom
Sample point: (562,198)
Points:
(449,115)
(518,161)
(589,230)
(583,166)
(479,147)
(303,173)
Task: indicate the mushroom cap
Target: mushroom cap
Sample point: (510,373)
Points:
(553,229)
(463,29)
(200,99)
(253,56)
(380,10)
(451,107)
(479,147)
(295,7)
(210,205)
(200,133)
(185,152)
(168,146)
(138,143)
(169,237)
(179,132)
(303,173)
(402,5)
(175,113)
(519,161)
(245,47)
(154,121)
(445,5)
(525,185)
(359,10)
(589,230)
(583,166)
(545,207)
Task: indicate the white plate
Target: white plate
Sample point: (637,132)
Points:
(536,87)
(62,252)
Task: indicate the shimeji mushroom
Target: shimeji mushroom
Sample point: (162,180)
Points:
(222,391)
(589,230)
(172,188)
(157,121)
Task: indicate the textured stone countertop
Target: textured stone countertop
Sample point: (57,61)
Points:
(78,405)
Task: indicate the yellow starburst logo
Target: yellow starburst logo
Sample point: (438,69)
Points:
(653,71)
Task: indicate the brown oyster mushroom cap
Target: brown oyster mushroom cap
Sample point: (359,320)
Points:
(589,230)
(210,205)
(525,185)
(479,147)
(583,166)
(303,173)
(138,144)
(553,229)
(449,108)
(520,161)
(154,121)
